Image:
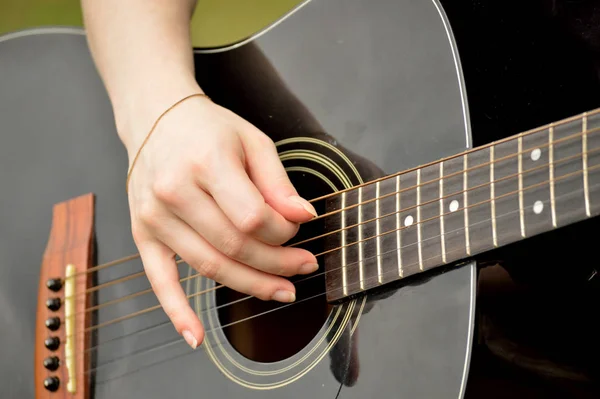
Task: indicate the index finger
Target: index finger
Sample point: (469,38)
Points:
(244,205)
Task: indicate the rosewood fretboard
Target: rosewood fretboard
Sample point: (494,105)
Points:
(464,205)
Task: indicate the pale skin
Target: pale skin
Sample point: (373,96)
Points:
(208,186)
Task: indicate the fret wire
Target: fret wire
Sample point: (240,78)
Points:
(476,204)
(520,172)
(378,242)
(344,269)
(493,201)
(586,191)
(464,191)
(360,236)
(466,202)
(398,241)
(419,218)
(511,193)
(551,167)
(537,185)
(442,238)
(569,158)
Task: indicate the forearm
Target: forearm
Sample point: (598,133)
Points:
(143,52)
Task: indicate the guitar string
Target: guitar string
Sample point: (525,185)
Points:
(159,325)
(149,290)
(139,274)
(143,311)
(142,273)
(177,340)
(168,322)
(400,173)
(436,200)
(392,271)
(458,173)
(471,150)
(222,327)
(143,350)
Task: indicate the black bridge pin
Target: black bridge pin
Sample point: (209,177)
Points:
(51,363)
(53,323)
(52,343)
(53,304)
(54,284)
(52,384)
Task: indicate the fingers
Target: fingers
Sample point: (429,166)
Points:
(244,205)
(199,254)
(204,216)
(268,174)
(161,270)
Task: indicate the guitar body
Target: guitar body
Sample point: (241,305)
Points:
(350,91)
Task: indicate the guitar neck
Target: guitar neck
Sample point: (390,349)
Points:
(465,205)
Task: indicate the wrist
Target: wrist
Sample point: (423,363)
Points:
(137,110)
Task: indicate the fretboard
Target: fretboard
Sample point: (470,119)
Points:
(464,205)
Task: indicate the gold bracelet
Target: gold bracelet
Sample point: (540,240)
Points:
(152,130)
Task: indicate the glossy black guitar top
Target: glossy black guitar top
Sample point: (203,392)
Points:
(350,91)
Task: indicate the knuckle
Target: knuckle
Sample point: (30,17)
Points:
(203,168)
(200,167)
(282,237)
(166,189)
(137,232)
(208,268)
(148,214)
(264,141)
(233,245)
(253,221)
(291,232)
(284,271)
(282,266)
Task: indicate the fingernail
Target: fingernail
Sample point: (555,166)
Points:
(190,339)
(304,204)
(284,296)
(308,268)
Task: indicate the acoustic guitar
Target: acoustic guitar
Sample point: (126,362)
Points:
(367,106)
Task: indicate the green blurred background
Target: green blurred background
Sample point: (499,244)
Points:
(215,22)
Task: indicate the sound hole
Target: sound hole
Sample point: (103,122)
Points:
(271,332)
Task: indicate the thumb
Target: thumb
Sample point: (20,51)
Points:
(161,270)
(268,174)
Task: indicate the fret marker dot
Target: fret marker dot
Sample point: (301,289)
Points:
(453,205)
(408,221)
(538,207)
(536,154)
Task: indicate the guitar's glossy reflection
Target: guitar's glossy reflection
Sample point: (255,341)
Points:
(322,70)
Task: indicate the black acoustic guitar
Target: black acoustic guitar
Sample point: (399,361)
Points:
(366,103)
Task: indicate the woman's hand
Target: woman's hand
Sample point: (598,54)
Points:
(209,187)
